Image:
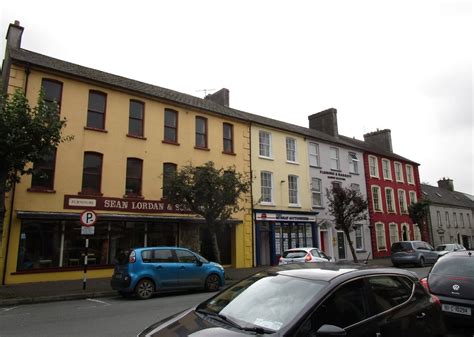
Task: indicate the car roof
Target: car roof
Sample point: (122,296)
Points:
(328,271)
(158,247)
(459,253)
(300,248)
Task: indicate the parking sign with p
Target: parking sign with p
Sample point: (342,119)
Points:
(88,218)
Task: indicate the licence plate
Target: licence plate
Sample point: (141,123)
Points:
(455,309)
(118,275)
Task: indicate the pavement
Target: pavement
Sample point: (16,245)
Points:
(38,292)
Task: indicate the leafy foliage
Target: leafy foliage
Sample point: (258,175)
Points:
(210,192)
(26,135)
(418,212)
(347,206)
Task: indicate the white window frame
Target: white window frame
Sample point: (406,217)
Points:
(334,159)
(455,217)
(412,196)
(353,163)
(416,232)
(438,217)
(379,198)
(398,172)
(380,236)
(402,201)
(291,153)
(393,230)
(314,159)
(448,222)
(390,203)
(359,234)
(262,192)
(410,177)
(316,191)
(355,187)
(263,146)
(469,220)
(293,190)
(386,169)
(461,218)
(373,167)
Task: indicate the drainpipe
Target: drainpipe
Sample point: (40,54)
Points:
(251,200)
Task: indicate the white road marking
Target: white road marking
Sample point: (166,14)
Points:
(98,301)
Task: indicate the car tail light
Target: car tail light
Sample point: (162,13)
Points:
(424,283)
(133,257)
(410,251)
(281,259)
(435,299)
(308,257)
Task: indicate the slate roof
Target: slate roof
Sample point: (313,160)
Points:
(442,196)
(140,88)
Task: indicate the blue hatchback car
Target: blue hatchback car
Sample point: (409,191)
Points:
(144,271)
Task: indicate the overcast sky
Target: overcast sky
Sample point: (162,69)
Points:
(399,65)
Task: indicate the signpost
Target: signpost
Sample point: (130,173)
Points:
(88,219)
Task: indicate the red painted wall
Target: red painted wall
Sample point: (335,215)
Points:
(397,217)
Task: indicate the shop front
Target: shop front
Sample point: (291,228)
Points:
(42,243)
(278,231)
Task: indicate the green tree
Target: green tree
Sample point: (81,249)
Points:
(211,193)
(26,135)
(347,206)
(418,213)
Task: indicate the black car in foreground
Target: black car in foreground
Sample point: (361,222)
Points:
(452,280)
(314,299)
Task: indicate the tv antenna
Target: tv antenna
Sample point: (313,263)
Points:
(205,91)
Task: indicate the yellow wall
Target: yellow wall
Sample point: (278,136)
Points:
(116,147)
(281,168)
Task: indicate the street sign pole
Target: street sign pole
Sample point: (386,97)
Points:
(84,280)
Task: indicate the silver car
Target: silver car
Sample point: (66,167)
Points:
(449,247)
(304,254)
(412,252)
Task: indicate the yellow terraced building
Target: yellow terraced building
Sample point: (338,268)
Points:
(127,136)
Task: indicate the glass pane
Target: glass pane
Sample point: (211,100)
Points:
(135,127)
(52,91)
(170,134)
(136,110)
(133,186)
(170,118)
(134,168)
(91,183)
(200,140)
(95,120)
(97,102)
(92,163)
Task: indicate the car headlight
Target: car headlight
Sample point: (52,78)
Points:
(220,267)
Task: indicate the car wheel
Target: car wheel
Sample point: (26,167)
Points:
(212,282)
(422,262)
(144,289)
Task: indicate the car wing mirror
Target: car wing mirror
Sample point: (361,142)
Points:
(330,330)
(199,263)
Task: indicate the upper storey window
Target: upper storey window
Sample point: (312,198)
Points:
(265,144)
(92,173)
(314,154)
(373,167)
(291,149)
(398,172)
(410,179)
(136,118)
(387,171)
(171,126)
(334,158)
(43,172)
(201,132)
(52,92)
(133,182)
(228,137)
(96,110)
(353,163)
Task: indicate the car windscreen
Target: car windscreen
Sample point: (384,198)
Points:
(264,300)
(401,247)
(442,247)
(458,266)
(294,254)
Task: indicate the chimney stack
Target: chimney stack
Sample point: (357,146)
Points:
(14,35)
(220,97)
(325,121)
(381,139)
(446,183)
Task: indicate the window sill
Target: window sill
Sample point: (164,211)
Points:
(95,129)
(294,206)
(92,194)
(354,173)
(202,148)
(336,170)
(375,177)
(317,207)
(400,181)
(229,153)
(169,142)
(136,137)
(133,196)
(315,166)
(292,162)
(267,204)
(266,158)
(40,190)
(382,249)
(387,179)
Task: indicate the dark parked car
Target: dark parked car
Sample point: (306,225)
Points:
(144,271)
(314,299)
(452,280)
(412,252)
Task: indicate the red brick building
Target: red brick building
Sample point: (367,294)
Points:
(393,183)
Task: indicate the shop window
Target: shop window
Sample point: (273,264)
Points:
(136,118)
(92,173)
(125,235)
(161,234)
(43,173)
(171,126)
(228,137)
(96,110)
(39,246)
(133,184)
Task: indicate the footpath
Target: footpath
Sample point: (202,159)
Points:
(38,292)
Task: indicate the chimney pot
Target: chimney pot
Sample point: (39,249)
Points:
(220,97)
(325,121)
(381,139)
(446,183)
